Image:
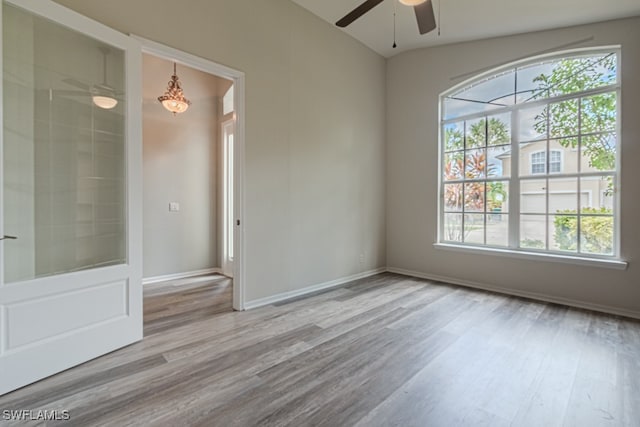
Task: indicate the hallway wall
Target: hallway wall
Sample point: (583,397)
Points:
(181,165)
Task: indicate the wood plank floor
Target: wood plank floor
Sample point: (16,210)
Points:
(176,303)
(383,351)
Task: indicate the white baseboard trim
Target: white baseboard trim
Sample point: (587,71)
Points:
(310,289)
(341,281)
(523,294)
(156,279)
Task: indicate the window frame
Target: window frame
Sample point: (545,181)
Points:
(514,179)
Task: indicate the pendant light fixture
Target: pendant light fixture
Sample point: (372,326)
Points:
(173,99)
(103,95)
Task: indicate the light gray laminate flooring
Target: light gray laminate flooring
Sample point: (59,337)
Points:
(388,350)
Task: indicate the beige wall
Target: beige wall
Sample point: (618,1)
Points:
(315,130)
(181,164)
(414,81)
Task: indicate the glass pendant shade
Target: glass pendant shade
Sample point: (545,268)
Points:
(104,96)
(175,105)
(411,2)
(173,99)
(105,102)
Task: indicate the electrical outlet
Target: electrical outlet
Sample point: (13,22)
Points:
(174,207)
(361,258)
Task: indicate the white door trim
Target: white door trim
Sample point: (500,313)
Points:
(238,78)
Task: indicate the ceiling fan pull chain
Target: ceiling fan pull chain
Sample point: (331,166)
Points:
(395,6)
(439,23)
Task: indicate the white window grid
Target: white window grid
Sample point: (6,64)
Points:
(514,180)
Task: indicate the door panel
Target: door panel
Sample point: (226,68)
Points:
(70,284)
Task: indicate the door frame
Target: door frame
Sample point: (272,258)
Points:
(238,79)
(227,263)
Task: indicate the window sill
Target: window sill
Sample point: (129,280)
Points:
(614,264)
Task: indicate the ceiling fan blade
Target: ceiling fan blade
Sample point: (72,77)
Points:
(424,16)
(358,12)
(77,83)
(102,87)
(62,92)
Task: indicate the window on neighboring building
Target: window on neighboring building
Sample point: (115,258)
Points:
(555,161)
(539,162)
(530,157)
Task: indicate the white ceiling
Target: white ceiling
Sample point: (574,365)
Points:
(463,20)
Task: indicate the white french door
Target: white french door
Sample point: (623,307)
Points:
(70,191)
(228,132)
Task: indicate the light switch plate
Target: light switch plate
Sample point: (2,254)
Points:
(174,206)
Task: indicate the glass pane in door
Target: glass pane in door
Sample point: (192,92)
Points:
(63,149)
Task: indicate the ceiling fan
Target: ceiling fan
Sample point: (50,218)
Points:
(423,9)
(102,94)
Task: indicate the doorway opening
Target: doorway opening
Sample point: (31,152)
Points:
(192,218)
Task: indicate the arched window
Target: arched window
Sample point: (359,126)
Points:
(528,151)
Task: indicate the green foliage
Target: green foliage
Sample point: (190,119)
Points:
(566,231)
(601,151)
(596,113)
(498,133)
(532,243)
(453,139)
(573,75)
(596,231)
(496,196)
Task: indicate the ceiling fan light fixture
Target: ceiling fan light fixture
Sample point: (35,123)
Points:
(411,2)
(103,95)
(105,102)
(173,99)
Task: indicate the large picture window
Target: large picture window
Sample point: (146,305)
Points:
(529,157)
